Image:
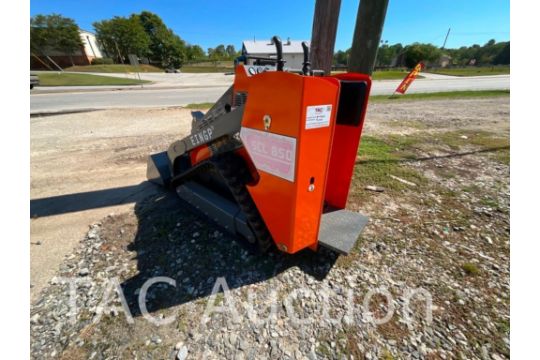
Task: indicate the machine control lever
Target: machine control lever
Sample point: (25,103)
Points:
(306,65)
(279,51)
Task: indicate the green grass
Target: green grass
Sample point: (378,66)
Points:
(199,106)
(386,74)
(114,68)
(378,160)
(473,71)
(391,75)
(441,95)
(381,160)
(455,140)
(67,79)
(205,69)
(208,67)
(486,140)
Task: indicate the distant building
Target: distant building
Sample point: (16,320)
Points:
(89,51)
(92,49)
(445,60)
(442,62)
(292,51)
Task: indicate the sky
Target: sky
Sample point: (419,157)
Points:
(210,23)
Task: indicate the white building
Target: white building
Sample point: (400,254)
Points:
(92,50)
(292,51)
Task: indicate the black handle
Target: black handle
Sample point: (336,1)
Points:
(306,65)
(279,50)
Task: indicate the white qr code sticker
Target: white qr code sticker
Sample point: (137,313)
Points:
(318,116)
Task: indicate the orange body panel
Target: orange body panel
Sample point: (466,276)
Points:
(346,140)
(241,79)
(200,154)
(292,209)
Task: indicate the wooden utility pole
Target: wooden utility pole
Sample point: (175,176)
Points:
(323,35)
(367,34)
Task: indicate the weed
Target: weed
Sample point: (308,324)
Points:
(387,355)
(504,326)
(503,156)
(490,203)
(470,269)
(324,350)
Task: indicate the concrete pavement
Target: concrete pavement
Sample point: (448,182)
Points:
(182,89)
(444,83)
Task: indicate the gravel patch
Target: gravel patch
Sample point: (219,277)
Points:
(429,279)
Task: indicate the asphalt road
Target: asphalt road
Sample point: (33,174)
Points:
(122,99)
(128,97)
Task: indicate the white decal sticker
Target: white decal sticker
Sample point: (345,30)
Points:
(318,116)
(272,153)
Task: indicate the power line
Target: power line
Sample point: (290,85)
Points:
(481,33)
(445,39)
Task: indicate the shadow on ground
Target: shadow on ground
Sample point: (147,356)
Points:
(169,239)
(173,241)
(62,204)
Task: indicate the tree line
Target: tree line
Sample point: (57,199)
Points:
(54,32)
(397,55)
(147,36)
(144,35)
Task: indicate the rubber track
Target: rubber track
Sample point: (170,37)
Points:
(235,173)
(190,174)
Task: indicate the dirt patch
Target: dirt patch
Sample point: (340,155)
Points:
(489,114)
(85,166)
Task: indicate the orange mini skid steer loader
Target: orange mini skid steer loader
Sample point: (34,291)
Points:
(272,161)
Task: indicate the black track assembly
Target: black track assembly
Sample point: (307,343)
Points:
(234,172)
